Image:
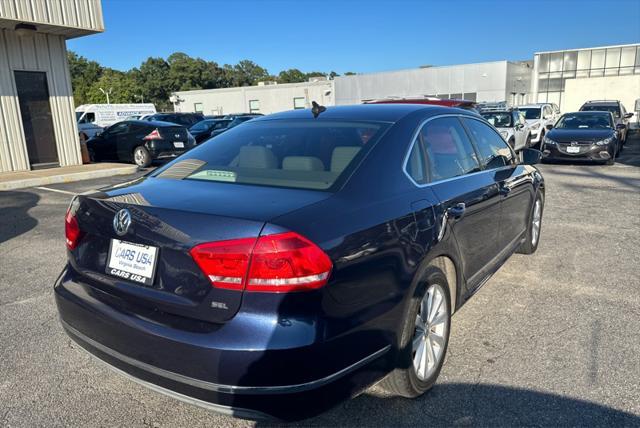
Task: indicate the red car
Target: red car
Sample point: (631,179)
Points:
(464,104)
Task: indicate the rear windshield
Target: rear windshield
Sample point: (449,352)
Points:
(585,121)
(531,112)
(305,154)
(498,119)
(612,108)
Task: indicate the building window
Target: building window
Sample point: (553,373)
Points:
(254,106)
(298,103)
(470,96)
(198,108)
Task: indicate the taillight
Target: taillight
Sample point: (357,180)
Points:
(72,230)
(153,135)
(276,263)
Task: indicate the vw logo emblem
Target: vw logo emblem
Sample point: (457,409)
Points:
(574,143)
(122,221)
(177,135)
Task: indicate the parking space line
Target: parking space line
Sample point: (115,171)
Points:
(55,190)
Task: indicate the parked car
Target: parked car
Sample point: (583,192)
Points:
(512,126)
(202,130)
(231,121)
(538,116)
(463,104)
(590,135)
(93,118)
(140,142)
(183,119)
(619,114)
(296,262)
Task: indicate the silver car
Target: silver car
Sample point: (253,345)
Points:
(512,125)
(538,116)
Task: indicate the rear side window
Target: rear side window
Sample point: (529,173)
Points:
(442,150)
(308,154)
(493,151)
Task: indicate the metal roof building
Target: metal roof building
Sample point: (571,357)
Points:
(37,118)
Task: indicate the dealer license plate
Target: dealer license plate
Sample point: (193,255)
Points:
(573,149)
(178,145)
(133,262)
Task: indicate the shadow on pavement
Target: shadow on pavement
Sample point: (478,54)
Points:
(475,405)
(14,213)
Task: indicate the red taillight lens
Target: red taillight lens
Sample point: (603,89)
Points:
(276,263)
(153,135)
(225,263)
(72,230)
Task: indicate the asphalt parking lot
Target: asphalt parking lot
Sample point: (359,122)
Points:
(551,339)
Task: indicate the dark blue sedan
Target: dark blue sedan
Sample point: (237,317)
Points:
(299,258)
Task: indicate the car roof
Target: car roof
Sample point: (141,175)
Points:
(157,123)
(603,102)
(365,112)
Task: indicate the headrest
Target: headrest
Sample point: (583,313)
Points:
(256,157)
(302,163)
(342,156)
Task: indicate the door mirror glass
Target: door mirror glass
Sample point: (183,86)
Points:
(530,156)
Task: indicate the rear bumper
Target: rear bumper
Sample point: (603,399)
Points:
(252,381)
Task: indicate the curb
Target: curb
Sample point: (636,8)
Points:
(67,178)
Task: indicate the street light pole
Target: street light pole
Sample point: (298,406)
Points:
(107,93)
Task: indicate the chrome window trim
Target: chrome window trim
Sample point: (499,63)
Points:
(413,142)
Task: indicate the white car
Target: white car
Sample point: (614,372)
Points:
(93,118)
(511,124)
(538,116)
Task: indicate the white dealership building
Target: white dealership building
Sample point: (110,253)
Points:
(567,78)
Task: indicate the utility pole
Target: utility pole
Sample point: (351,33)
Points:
(106,93)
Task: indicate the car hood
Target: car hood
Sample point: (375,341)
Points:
(568,135)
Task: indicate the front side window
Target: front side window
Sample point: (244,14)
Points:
(306,154)
(493,151)
(448,151)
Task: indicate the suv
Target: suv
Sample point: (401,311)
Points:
(511,124)
(233,120)
(619,114)
(183,119)
(538,116)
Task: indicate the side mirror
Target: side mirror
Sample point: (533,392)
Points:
(549,126)
(621,126)
(530,156)
(628,115)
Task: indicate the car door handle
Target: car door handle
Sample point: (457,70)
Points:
(457,211)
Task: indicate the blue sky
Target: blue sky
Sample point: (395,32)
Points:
(354,35)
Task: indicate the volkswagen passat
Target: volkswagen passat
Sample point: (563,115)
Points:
(299,258)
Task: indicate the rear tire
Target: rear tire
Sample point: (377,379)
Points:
(530,245)
(424,339)
(141,157)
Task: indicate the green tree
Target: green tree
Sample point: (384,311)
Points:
(122,86)
(291,75)
(247,73)
(349,73)
(186,73)
(153,77)
(83,74)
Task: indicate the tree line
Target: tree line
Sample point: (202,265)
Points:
(156,78)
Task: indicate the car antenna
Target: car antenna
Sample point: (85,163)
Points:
(316,109)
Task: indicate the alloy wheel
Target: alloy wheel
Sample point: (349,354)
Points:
(429,339)
(535,221)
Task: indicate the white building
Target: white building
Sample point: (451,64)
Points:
(37,119)
(486,81)
(264,98)
(571,77)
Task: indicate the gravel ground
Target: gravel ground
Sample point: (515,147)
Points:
(551,339)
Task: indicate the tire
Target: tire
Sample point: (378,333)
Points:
(141,157)
(610,161)
(527,144)
(406,379)
(530,245)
